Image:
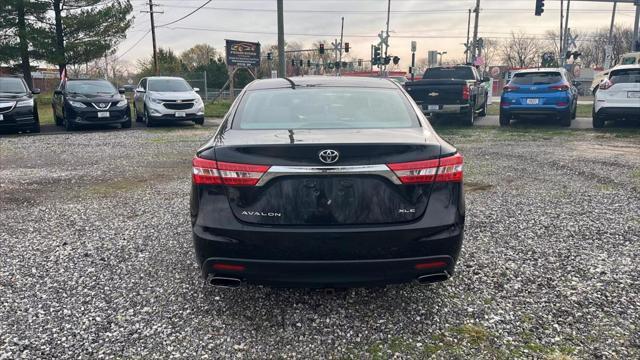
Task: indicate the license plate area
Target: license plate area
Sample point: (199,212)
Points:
(181,114)
(533,101)
(433,107)
(633,94)
(1,117)
(103,114)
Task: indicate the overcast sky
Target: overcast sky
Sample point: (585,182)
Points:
(434,24)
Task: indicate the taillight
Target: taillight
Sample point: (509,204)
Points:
(466,93)
(505,104)
(563,87)
(448,169)
(510,88)
(209,172)
(606,84)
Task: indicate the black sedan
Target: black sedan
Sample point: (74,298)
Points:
(86,102)
(326,182)
(18,109)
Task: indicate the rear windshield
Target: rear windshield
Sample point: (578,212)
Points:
(625,76)
(12,86)
(463,73)
(628,61)
(325,108)
(171,85)
(536,78)
(92,87)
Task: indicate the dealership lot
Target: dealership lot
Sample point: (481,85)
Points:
(96,257)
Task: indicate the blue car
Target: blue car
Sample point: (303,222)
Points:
(540,92)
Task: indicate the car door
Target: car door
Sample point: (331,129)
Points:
(480,90)
(138,97)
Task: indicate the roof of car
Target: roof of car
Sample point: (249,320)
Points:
(326,81)
(86,80)
(164,77)
(539,70)
(630,66)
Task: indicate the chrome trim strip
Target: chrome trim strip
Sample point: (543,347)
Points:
(279,171)
(11,103)
(101,102)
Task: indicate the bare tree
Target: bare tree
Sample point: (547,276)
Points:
(521,50)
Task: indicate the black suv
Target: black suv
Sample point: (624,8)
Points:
(18,109)
(86,101)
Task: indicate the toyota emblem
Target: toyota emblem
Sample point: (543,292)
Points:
(328,156)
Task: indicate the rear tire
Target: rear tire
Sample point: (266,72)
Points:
(36,127)
(483,112)
(138,117)
(68,124)
(598,121)
(126,124)
(470,118)
(504,120)
(147,119)
(565,119)
(574,114)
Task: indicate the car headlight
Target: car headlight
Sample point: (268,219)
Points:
(25,103)
(122,102)
(77,104)
(155,101)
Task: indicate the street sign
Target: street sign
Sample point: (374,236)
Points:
(274,74)
(571,40)
(432,58)
(608,50)
(414,46)
(242,53)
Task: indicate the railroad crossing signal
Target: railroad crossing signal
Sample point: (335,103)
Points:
(321,50)
(346,47)
(539,7)
(375,57)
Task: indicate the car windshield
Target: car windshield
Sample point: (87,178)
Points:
(625,76)
(536,78)
(628,61)
(325,108)
(171,85)
(90,87)
(439,73)
(12,86)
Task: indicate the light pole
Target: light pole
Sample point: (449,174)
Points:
(441,55)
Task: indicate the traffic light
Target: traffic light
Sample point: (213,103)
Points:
(375,60)
(337,64)
(321,49)
(301,62)
(539,7)
(308,63)
(396,60)
(346,47)
(293,62)
(387,60)
(269,56)
(359,62)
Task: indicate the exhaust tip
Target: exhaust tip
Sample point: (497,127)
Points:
(225,282)
(433,278)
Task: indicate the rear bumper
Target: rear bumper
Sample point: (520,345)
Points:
(447,109)
(535,111)
(632,113)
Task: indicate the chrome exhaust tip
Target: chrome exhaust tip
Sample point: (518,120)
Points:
(225,282)
(433,278)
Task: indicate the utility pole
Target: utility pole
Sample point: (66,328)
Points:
(565,47)
(153,35)
(560,45)
(475,52)
(386,49)
(341,38)
(468,34)
(636,27)
(281,60)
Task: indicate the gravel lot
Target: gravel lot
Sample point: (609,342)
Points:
(96,258)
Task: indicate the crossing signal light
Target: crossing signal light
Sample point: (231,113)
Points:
(396,60)
(346,47)
(321,49)
(301,62)
(539,7)
(308,63)
(387,60)
(293,62)
(269,56)
(376,60)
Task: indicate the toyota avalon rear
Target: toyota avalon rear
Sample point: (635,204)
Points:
(326,182)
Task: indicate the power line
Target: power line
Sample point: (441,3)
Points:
(134,45)
(186,16)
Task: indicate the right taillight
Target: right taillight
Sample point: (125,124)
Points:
(606,84)
(209,172)
(447,169)
(466,93)
(510,88)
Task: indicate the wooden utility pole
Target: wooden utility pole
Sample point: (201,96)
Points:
(282,71)
(153,35)
(476,50)
(468,35)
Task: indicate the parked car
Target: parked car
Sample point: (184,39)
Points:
(159,98)
(89,101)
(618,96)
(540,92)
(326,182)
(631,58)
(18,108)
(597,79)
(451,91)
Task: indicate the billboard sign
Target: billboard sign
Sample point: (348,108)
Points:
(243,53)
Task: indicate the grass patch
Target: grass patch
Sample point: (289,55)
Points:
(584,110)
(216,109)
(476,335)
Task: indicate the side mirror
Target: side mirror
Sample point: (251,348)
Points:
(122,90)
(35,91)
(196,89)
(57,92)
(140,90)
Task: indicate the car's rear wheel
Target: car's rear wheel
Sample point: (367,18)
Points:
(565,119)
(56,118)
(483,112)
(598,121)
(505,120)
(138,117)
(469,118)
(126,124)
(36,127)
(574,113)
(68,124)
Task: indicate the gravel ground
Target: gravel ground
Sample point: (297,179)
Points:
(96,259)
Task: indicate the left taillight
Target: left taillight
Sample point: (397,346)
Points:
(209,172)
(466,93)
(447,169)
(563,87)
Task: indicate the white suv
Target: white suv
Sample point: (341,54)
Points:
(618,96)
(160,98)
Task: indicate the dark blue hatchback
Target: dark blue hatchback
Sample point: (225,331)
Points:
(539,92)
